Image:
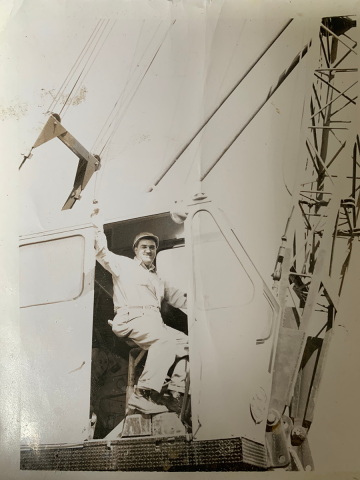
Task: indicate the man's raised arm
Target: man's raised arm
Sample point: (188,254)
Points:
(103,255)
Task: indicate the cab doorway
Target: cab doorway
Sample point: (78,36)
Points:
(110,354)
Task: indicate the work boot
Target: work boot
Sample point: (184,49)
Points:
(173,401)
(141,400)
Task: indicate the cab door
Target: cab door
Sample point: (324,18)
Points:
(232,331)
(56,315)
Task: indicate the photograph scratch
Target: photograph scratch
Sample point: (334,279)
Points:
(79,368)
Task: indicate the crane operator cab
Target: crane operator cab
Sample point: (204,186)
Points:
(79,375)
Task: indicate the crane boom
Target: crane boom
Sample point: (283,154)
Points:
(309,275)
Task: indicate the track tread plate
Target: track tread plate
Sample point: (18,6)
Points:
(146,454)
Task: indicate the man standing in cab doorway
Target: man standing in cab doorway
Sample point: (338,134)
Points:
(138,293)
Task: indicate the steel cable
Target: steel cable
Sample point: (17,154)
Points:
(221,102)
(72,68)
(92,63)
(133,95)
(83,56)
(123,91)
(97,183)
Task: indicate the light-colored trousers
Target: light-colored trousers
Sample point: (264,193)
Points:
(164,345)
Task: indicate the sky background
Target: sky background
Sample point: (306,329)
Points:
(201,57)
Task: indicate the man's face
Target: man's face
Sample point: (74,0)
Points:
(145,251)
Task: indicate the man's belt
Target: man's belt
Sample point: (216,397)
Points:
(140,307)
(145,307)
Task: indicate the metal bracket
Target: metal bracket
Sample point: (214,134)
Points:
(88,163)
(277,440)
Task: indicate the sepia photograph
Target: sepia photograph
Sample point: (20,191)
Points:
(184,256)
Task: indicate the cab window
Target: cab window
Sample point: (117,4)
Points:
(172,267)
(51,271)
(220,279)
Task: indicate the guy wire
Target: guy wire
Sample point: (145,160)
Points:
(76,61)
(76,66)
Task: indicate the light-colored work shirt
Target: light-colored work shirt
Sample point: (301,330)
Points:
(135,285)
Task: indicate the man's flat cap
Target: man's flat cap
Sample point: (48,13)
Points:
(146,235)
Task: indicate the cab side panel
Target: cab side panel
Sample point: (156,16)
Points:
(56,296)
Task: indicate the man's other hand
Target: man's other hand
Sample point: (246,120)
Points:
(96,218)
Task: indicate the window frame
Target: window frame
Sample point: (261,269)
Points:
(231,237)
(82,281)
(236,256)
